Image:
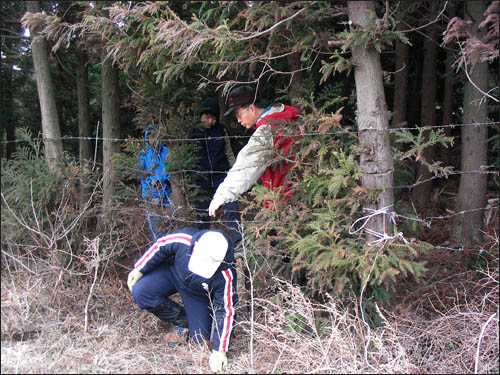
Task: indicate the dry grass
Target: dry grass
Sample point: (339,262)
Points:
(43,331)
(56,320)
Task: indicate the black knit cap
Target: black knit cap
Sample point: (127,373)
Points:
(209,105)
(244,95)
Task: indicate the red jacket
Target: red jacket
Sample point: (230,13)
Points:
(274,176)
(254,160)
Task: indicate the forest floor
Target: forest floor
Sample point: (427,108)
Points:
(446,324)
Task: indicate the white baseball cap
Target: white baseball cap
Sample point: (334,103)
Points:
(208,253)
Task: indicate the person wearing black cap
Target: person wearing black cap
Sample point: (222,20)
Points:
(200,266)
(255,159)
(214,160)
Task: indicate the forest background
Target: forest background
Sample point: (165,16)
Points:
(385,261)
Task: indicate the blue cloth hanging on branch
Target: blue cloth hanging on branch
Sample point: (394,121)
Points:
(155,182)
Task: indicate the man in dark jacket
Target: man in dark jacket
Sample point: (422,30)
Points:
(214,160)
(200,266)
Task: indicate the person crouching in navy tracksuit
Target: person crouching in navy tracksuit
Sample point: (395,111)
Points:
(200,266)
(215,157)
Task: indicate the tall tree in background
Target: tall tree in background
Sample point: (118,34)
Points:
(449,82)
(7,119)
(82,84)
(421,193)
(472,190)
(11,41)
(376,162)
(20,105)
(399,104)
(110,127)
(50,121)
(83,49)
(297,76)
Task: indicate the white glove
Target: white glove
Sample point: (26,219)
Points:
(217,360)
(214,205)
(133,277)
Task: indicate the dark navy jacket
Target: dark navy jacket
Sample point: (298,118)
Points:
(211,155)
(176,248)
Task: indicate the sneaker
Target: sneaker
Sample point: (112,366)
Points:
(177,336)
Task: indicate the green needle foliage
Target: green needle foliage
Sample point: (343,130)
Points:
(312,239)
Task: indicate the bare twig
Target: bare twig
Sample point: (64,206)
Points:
(470,79)
(18,261)
(427,24)
(476,365)
(93,248)
(275,25)
(23,222)
(95,150)
(362,311)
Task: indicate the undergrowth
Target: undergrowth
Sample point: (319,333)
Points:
(309,299)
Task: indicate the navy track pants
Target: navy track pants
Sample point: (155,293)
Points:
(152,293)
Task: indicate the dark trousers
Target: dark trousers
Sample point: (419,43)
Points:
(231,214)
(151,293)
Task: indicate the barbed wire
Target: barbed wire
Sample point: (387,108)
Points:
(483,171)
(445,175)
(380,238)
(427,221)
(172,138)
(392,215)
(139,171)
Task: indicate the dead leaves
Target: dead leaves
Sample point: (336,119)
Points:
(328,122)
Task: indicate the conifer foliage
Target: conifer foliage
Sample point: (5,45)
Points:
(315,238)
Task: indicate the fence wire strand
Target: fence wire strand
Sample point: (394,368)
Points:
(380,237)
(172,138)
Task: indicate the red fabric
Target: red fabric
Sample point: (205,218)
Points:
(228,321)
(162,241)
(274,176)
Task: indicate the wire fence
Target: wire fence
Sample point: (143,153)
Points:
(388,211)
(426,221)
(173,138)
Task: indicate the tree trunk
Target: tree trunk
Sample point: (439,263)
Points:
(444,152)
(400,82)
(178,194)
(110,128)
(7,118)
(376,159)
(472,191)
(421,193)
(415,81)
(50,122)
(296,78)
(82,84)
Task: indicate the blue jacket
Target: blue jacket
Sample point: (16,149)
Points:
(156,184)
(176,248)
